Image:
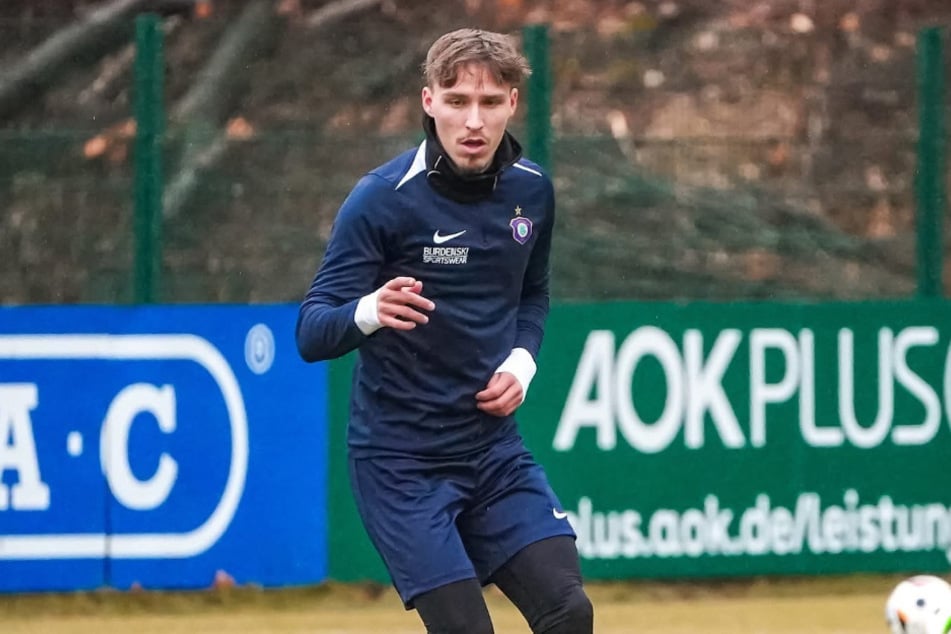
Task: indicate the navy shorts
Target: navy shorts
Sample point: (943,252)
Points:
(439,520)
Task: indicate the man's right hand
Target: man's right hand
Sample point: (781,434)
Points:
(399,302)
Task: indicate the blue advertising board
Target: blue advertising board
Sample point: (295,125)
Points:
(157,446)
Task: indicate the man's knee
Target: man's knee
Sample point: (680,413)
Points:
(574,614)
(579,611)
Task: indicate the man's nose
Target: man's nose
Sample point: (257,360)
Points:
(474,118)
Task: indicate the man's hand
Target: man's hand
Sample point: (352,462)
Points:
(501,396)
(399,302)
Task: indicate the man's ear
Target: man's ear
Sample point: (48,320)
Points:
(513,99)
(427,99)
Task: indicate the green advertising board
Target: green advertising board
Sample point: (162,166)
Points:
(352,556)
(734,439)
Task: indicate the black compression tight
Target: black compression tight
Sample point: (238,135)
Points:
(543,580)
(455,608)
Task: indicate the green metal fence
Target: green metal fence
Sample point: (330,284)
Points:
(697,164)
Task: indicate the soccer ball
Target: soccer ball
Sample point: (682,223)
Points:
(919,605)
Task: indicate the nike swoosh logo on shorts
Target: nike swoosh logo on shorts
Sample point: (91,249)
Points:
(559,515)
(438,239)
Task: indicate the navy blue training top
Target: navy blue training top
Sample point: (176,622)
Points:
(485,265)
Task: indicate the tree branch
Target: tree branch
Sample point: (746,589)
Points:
(99,32)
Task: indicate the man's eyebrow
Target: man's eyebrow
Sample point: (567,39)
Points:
(462,95)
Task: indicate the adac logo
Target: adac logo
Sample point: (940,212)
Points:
(135,490)
(521,227)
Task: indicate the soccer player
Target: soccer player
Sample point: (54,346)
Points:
(437,270)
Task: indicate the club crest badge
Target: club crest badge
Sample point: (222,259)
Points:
(521,227)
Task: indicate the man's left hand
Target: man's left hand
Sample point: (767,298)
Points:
(501,396)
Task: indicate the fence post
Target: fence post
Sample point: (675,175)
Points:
(538,126)
(149,118)
(929,183)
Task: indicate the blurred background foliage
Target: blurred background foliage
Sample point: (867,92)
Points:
(726,150)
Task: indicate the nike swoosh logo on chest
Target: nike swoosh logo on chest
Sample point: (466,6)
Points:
(439,239)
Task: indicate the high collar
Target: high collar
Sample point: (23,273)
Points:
(445,177)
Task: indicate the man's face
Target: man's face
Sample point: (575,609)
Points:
(471,116)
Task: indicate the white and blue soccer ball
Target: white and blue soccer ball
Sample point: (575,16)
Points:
(919,605)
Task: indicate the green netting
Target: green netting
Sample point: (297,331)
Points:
(689,163)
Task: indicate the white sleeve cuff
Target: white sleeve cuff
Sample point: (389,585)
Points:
(366,316)
(521,365)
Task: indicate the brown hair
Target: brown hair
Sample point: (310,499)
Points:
(457,49)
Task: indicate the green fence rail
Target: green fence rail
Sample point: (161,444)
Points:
(150,121)
(931,198)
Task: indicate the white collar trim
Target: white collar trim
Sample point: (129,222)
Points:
(418,165)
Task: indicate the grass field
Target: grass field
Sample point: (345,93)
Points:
(841,605)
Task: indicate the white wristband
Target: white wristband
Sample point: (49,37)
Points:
(366,316)
(521,365)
